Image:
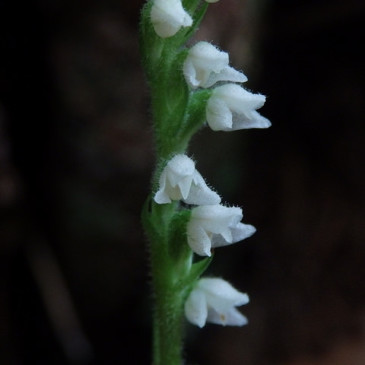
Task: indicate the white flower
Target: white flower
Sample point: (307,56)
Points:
(231,107)
(168,16)
(205,65)
(181,181)
(215,226)
(214,300)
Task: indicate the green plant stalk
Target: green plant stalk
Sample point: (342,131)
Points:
(173,276)
(177,114)
(171,283)
(168,317)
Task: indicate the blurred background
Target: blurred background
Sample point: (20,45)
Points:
(76,156)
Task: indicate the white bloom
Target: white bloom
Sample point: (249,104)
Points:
(205,65)
(168,16)
(231,107)
(215,226)
(214,300)
(181,181)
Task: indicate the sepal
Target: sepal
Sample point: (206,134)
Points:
(198,268)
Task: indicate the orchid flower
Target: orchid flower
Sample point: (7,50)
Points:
(205,65)
(180,180)
(214,300)
(168,16)
(213,226)
(232,107)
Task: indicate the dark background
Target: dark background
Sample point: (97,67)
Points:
(76,155)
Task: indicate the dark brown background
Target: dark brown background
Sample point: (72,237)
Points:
(76,156)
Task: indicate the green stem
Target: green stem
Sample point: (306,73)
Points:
(173,273)
(170,288)
(167,325)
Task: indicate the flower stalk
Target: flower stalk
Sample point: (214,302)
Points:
(182,217)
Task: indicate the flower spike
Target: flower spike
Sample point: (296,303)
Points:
(214,300)
(213,226)
(190,85)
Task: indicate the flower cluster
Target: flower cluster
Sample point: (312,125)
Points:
(211,225)
(228,107)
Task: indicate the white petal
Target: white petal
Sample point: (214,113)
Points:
(207,56)
(239,99)
(175,179)
(184,187)
(198,239)
(180,166)
(216,218)
(221,295)
(161,197)
(226,74)
(249,120)
(231,318)
(200,193)
(190,73)
(239,233)
(219,116)
(196,310)
(179,170)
